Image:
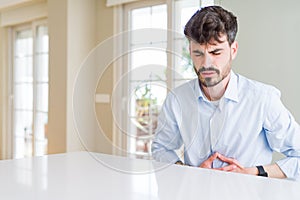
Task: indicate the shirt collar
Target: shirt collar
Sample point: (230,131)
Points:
(231,92)
(197,89)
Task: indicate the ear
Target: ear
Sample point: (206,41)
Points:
(234,49)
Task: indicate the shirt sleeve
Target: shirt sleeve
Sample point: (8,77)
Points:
(167,137)
(283,135)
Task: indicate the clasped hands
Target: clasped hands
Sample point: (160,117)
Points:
(233,165)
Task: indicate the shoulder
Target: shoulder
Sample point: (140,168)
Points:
(187,88)
(256,88)
(183,93)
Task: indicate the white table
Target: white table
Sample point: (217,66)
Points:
(89,176)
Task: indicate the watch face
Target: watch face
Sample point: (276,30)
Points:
(265,174)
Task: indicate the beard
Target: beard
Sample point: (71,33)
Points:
(209,81)
(213,81)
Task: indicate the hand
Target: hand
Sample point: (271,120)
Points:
(208,163)
(233,165)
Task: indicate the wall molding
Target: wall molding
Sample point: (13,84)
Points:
(23,14)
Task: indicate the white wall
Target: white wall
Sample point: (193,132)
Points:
(269,39)
(88,22)
(81,40)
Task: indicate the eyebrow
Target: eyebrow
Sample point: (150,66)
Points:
(213,51)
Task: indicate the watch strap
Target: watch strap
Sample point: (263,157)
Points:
(261,171)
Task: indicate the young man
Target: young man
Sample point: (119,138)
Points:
(224,120)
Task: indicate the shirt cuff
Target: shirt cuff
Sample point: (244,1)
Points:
(290,167)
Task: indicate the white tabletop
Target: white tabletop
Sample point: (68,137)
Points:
(89,176)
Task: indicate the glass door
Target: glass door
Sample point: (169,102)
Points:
(154,69)
(30,90)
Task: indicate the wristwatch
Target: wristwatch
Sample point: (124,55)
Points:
(179,162)
(261,171)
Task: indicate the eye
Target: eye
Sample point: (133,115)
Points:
(198,54)
(216,53)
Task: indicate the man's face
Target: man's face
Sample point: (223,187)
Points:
(212,62)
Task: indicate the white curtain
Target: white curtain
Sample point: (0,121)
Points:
(117,2)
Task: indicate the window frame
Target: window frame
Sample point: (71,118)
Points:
(12,31)
(121,24)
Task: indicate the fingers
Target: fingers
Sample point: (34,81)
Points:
(228,168)
(230,161)
(213,157)
(208,163)
(233,165)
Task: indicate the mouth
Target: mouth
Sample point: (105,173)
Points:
(208,73)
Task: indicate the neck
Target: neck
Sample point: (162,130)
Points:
(216,92)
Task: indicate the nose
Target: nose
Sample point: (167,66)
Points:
(207,61)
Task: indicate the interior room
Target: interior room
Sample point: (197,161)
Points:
(92,75)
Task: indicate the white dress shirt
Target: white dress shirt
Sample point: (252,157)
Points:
(249,123)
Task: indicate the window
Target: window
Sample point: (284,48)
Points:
(157,61)
(30,89)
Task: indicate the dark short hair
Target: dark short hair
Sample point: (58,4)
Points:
(211,23)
